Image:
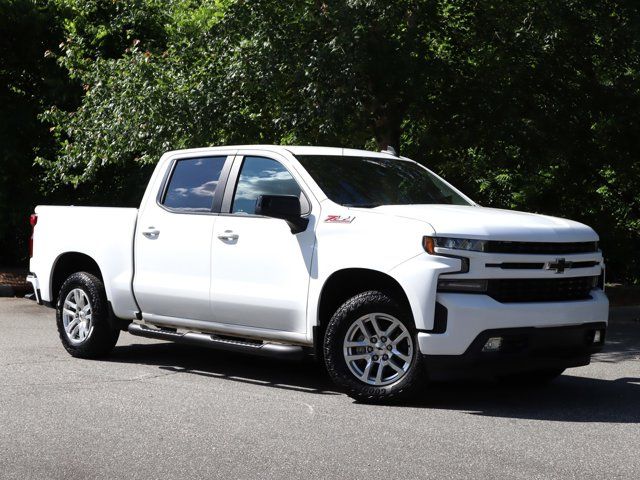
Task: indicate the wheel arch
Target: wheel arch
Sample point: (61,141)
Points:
(68,263)
(345,283)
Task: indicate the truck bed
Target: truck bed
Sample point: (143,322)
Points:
(105,234)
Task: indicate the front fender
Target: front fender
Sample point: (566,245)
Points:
(418,277)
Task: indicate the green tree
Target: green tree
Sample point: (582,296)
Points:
(29,81)
(530,105)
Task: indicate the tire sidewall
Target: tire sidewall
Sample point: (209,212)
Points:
(356,307)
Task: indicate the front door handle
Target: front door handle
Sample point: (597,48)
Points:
(151,233)
(229,236)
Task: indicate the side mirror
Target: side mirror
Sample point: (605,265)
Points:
(285,207)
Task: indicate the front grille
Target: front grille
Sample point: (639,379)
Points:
(538,266)
(549,248)
(540,290)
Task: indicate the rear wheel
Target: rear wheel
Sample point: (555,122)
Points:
(370,349)
(82,317)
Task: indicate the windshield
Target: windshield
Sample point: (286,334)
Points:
(370,182)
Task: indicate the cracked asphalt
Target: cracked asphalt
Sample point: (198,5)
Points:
(162,411)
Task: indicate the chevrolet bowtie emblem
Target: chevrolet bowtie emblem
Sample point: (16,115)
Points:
(560,265)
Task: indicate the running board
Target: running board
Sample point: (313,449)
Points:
(277,350)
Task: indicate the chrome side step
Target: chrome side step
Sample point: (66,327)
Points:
(288,352)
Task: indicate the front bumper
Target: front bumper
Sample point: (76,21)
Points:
(468,315)
(523,349)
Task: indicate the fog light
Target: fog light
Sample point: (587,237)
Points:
(597,336)
(493,344)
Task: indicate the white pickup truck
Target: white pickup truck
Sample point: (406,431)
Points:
(369,261)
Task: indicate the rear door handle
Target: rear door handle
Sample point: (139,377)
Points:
(151,233)
(228,235)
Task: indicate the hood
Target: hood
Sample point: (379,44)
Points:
(492,223)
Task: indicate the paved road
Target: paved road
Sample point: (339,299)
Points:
(163,411)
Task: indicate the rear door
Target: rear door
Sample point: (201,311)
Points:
(260,270)
(173,239)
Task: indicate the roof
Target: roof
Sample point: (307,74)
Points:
(299,150)
(335,151)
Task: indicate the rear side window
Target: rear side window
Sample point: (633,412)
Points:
(193,184)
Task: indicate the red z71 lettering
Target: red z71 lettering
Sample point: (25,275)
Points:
(338,219)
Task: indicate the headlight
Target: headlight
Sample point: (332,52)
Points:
(468,244)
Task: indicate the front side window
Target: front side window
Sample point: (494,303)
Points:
(193,184)
(370,182)
(261,176)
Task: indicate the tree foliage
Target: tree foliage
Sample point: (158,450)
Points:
(29,83)
(528,105)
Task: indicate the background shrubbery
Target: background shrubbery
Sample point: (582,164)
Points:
(522,104)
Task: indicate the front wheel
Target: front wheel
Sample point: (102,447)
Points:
(371,350)
(82,317)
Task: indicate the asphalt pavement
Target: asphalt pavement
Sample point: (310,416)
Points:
(156,410)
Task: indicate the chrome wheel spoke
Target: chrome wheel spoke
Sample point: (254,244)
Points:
(74,330)
(374,323)
(77,296)
(395,367)
(360,356)
(379,374)
(391,329)
(365,375)
(68,303)
(400,337)
(71,325)
(360,326)
(82,333)
(77,316)
(367,343)
(405,358)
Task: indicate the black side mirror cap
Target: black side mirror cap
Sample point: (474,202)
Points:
(285,207)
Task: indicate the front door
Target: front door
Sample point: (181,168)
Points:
(260,270)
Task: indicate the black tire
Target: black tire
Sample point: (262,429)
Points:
(333,348)
(534,378)
(102,336)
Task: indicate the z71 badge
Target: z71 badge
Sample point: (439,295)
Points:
(338,219)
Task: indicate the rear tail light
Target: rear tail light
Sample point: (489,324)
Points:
(33,219)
